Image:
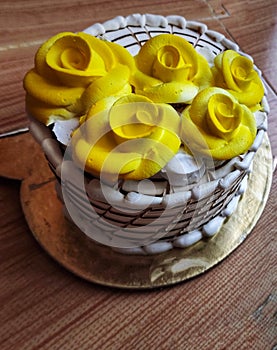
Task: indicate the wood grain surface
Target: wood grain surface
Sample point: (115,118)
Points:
(43,306)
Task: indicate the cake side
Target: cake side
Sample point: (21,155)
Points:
(191,215)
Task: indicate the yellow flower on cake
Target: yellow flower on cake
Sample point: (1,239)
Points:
(128,137)
(170,70)
(73,71)
(217,125)
(236,73)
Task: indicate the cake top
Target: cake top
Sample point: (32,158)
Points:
(134,113)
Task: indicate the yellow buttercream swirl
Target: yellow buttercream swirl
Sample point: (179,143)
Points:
(73,71)
(128,128)
(170,70)
(217,125)
(236,74)
(128,137)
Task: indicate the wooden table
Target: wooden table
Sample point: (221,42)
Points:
(43,306)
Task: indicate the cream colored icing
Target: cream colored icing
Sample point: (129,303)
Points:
(64,128)
(183,169)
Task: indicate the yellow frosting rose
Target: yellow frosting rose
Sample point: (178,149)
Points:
(128,137)
(217,125)
(73,71)
(236,73)
(170,70)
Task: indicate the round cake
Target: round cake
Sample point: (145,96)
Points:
(150,125)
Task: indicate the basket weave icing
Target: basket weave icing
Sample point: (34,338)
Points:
(191,214)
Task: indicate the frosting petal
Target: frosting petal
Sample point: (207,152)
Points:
(217,125)
(73,71)
(53,95)
(173,92)
(171,70)
(129,137)
(114,83)
(236,74)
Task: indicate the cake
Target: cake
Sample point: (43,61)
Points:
(150,125)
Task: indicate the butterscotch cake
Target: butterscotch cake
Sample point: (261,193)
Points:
(150,125)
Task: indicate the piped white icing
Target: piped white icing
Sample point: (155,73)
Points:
(63,129)
(158,247)
(261,118)
(246,162)
(145,186)
(213,226)
(176,199)
(207,53)
(183,169)
(231,207)
(188,239)
(229,179)
(258,140)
